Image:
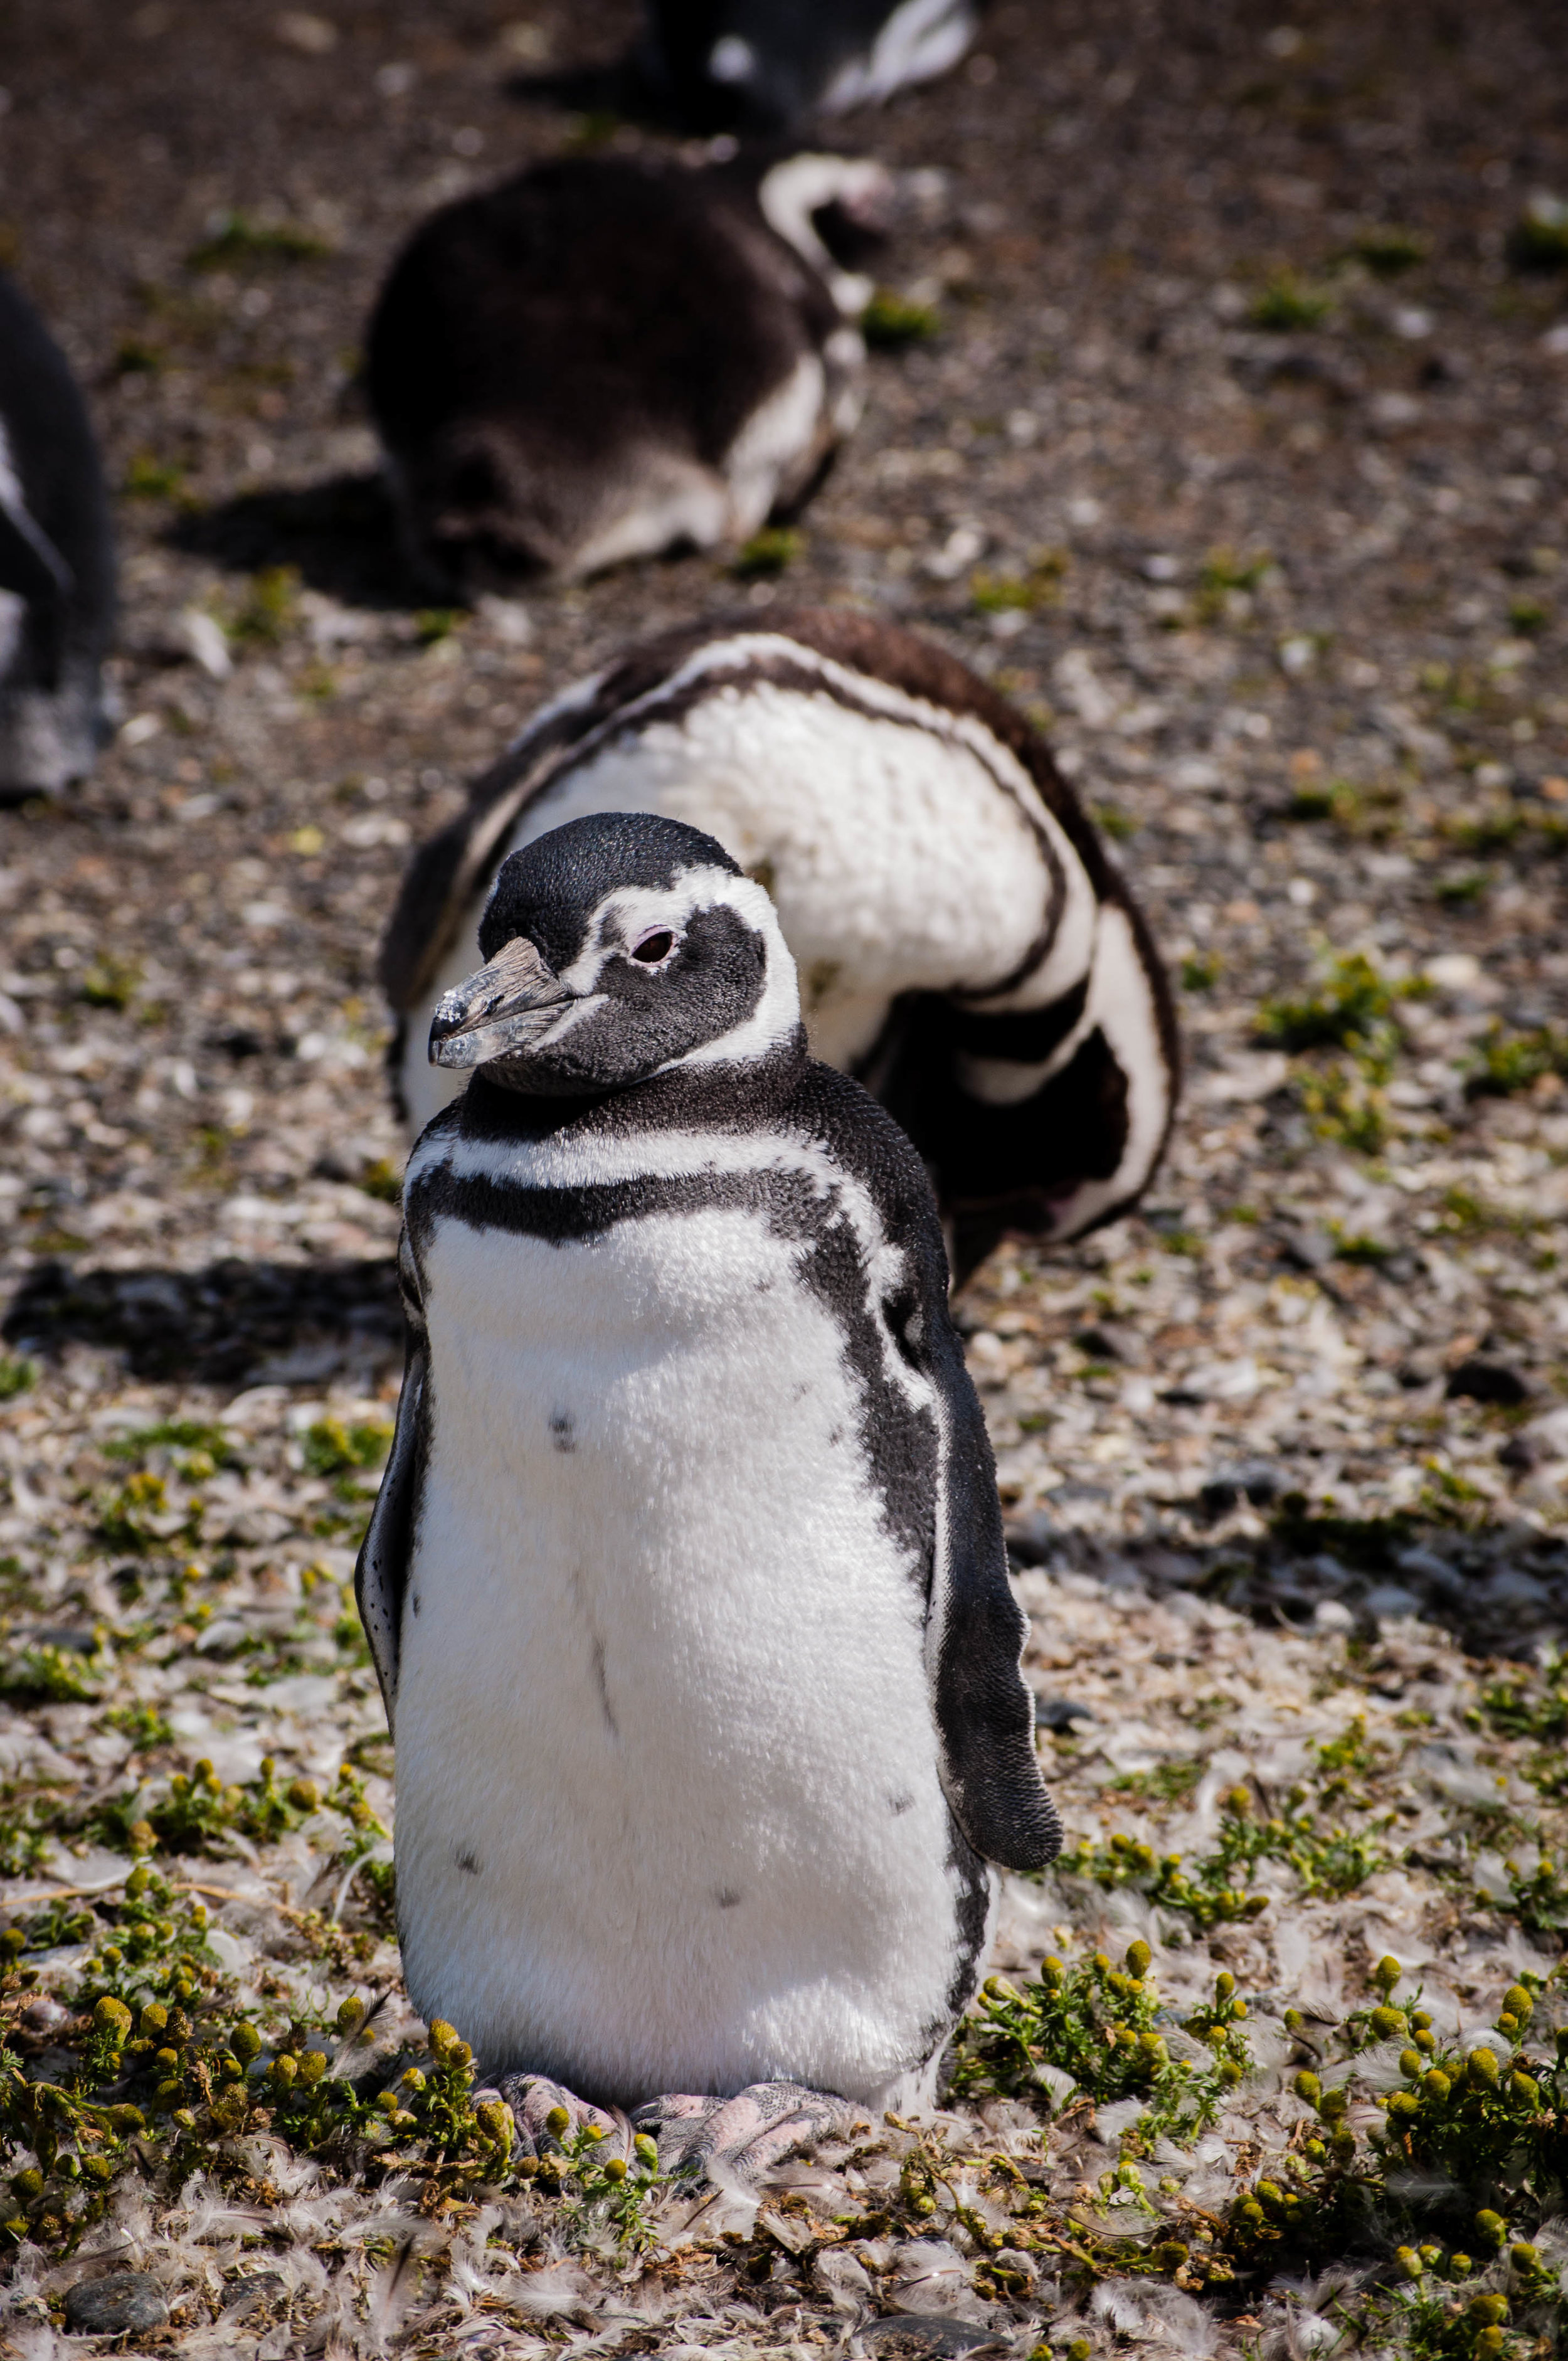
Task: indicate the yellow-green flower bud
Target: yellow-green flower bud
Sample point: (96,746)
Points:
(246,2043)
(1409,2262)
(1237,1801)
(1525,2258)
(1410,2063)
(113,2017)
(413,2080)
(646,2151)
(1490,2339)
(1102,1961)
(282,2070)
(1333,2103)
(1388,2021)
(1429,2255)
(558,2123)
(1524,2087)
(1520,2002)
(1224,1984)
(1052,1969)
(1492,2226)
(1138,1958)
(494,2118)
(1169,2254)
(168,2094)
(443,2037)
(615,2168)
(1483,2067)
(1307,2086)
(125,2120)
(167,2058)
(1436,2084)
(1489,2309)
(312,2066)
(304,1794)
(1403,2103)
(154,2018)
(1387,1973)
(1426,2039)
(142,1838)
(1460,2266)
(28,2185)
(350,2015)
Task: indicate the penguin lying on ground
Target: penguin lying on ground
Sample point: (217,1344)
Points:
(686,1583)
(969,950)
(57,563)
(771,61)
(607,357)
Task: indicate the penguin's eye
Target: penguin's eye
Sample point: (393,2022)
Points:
(654,947)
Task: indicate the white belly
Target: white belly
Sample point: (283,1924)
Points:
(668,1809)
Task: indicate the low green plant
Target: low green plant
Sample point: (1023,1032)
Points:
(1039,585)
(265,614)
(769,553)
(239,242)
(18,1376)
(1201,970)
(1505,1063)
(334,1449)
(1107,2028)
(1388,251)
(603,2196)
(110,982)
(890,322)
(44,1674)
(1351,1006)
(150,478)
(210,1447)
(1289,302)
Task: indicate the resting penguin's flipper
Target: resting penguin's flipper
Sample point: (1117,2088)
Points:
(29,563)
(381,1573)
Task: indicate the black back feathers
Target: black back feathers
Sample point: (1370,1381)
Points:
(602,358)
(57,567)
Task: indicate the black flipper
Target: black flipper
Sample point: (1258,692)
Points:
(381,1573)
(975,1629)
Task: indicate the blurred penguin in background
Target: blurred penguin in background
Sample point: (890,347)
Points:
(57,563)
(607,357)
(769,63)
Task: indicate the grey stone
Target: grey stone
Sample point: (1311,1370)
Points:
(115,2305)
(925,2336)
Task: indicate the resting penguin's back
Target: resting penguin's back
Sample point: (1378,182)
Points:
(655,1490)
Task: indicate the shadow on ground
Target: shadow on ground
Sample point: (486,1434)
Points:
(232,1324)
(341,534)
(1500,1586)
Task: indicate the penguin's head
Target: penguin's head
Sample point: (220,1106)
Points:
(617,947)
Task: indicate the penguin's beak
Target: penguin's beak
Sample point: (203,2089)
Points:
(507,1008)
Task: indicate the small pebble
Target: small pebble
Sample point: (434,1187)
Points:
(114,2306)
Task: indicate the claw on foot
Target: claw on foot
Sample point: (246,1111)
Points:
(746,2137)
(547,2114)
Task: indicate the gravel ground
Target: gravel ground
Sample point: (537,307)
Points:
(1235,456)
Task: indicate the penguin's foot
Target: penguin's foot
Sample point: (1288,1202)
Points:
(745,2137)
(547,2114)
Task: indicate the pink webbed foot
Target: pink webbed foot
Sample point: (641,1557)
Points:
(539,2105)
(745,2137)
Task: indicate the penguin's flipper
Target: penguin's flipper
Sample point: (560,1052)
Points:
(975,1634)
(31,565)
(381,1573)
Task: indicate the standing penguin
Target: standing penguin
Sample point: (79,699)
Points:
(57,563)
(686,1583)
(605,357)
(771,61)
(969,951)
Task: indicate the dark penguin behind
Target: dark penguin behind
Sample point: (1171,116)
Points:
(605,357)
(768,63)
(57,563)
